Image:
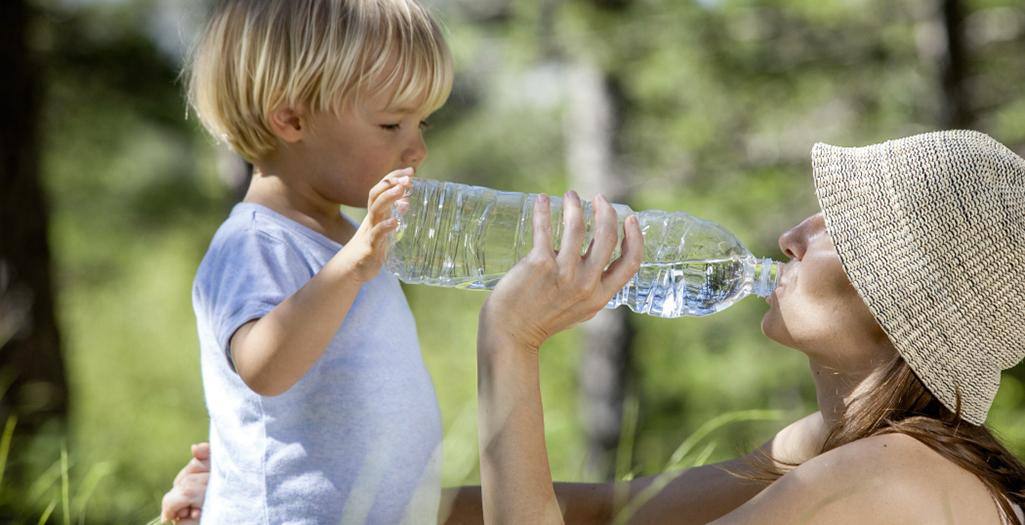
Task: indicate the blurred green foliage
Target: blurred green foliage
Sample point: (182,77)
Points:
(724,101)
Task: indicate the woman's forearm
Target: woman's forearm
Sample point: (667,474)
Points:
(697,496)
(515,476)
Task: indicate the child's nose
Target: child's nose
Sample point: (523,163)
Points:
(415,154)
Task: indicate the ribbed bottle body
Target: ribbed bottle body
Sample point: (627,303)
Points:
(468,237)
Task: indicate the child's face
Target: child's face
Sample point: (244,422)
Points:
(347,155)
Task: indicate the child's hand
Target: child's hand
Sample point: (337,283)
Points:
(183,503)
(800,440)
(368,248)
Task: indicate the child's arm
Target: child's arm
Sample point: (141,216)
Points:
(272,353)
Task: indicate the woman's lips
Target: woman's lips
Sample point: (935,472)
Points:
(784,277)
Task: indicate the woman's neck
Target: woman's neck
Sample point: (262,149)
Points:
(835,389)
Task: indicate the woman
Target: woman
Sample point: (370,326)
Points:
(906,293)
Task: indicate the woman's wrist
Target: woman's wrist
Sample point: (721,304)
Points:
(496,334)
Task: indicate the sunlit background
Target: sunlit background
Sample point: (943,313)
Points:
(710,107)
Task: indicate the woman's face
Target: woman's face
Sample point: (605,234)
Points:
(816,310)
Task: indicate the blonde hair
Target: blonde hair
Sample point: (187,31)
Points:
(255,56)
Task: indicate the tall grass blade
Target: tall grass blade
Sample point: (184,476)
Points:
(46,513)
(5,444)
(65,486)
(681,459)
(85,492)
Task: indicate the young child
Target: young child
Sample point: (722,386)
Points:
(321,409)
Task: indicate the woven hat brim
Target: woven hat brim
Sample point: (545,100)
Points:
(864,194)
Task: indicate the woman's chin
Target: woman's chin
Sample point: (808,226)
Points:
(773,326)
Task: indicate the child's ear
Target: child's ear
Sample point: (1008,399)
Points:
(288,123)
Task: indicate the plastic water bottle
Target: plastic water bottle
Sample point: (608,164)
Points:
(464,236)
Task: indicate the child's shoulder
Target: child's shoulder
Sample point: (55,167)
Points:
(248,237)
(248,223)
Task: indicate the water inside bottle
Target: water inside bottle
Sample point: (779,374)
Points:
(695,287)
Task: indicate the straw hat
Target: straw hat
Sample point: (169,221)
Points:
(931,233)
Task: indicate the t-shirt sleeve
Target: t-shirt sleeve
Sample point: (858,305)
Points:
(248,274)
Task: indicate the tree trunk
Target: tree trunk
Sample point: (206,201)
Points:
(32,379)
(592,127)
(941,43)
(956,109)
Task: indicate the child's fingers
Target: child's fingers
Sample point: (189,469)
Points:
(193,467)
(379,233)
(201,451)
(401,177)
(172,505)
(380,209)
(197,466)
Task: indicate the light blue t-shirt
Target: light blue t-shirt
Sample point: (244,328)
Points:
(358,438)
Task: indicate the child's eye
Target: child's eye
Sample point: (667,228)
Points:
(425,125)
(390,127)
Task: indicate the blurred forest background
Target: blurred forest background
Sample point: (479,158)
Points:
(109,196)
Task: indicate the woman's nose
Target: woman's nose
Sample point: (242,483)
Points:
(793,243)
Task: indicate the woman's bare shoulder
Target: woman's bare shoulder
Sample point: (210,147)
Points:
(916,476)
(890,478)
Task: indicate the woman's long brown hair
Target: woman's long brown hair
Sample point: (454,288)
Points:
(900,403)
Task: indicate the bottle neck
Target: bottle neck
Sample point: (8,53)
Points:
(765,273)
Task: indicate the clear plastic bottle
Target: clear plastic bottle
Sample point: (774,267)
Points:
(464,236)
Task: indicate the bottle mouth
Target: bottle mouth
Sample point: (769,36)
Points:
(766,276)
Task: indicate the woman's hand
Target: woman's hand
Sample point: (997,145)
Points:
(183,503)
(550,291)
(543,294)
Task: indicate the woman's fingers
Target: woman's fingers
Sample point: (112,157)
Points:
(605,236)
(572,231)
(542,224)
(629,261)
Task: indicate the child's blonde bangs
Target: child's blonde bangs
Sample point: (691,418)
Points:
(407,57)
(322,55)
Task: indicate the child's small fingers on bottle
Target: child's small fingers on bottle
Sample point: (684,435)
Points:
(379,233)
(380,209)
(377,191)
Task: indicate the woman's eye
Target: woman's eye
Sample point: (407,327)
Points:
(390,127)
